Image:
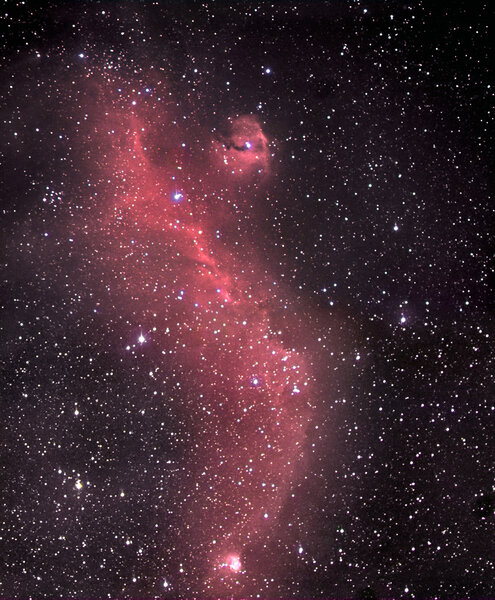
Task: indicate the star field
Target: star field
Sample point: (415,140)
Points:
(247,300)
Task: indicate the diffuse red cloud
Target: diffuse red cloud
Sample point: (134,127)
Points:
(252,388)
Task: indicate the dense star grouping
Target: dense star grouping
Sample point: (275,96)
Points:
(246,301)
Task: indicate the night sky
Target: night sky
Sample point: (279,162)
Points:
(246,300)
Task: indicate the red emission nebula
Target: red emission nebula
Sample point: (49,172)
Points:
(184,253)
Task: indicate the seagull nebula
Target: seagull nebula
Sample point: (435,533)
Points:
(247,301)
(231,328)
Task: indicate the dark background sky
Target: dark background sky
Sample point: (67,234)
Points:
(378,217)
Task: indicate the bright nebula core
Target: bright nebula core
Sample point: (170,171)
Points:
(233,563)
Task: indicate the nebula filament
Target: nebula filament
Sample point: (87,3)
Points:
(177,236)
